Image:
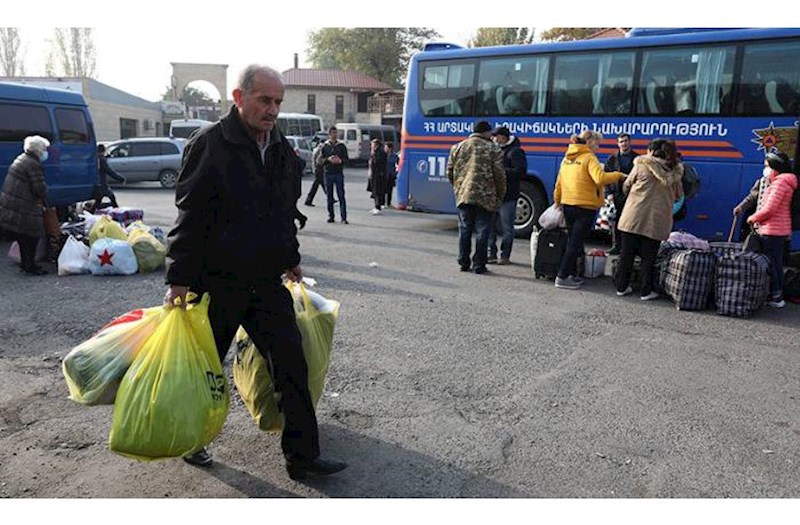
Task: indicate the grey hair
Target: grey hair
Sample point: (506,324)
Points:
(35,145)
(247,76)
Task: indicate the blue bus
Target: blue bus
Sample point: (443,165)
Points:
(63,118)
(726,96)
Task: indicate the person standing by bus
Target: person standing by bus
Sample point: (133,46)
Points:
(579,192)
(391,171)
(516,166)
(22,201)
(377,175)
(622,161)
(652,188)
(773,221)
(334,155)
(475,169)
(235,238)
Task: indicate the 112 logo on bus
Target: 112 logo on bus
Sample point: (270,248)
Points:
(433,166)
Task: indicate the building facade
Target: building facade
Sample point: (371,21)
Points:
(116,114)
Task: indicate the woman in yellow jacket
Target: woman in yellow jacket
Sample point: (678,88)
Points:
(579,192)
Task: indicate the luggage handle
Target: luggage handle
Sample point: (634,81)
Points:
(733,227)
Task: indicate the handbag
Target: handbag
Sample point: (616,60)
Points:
(552,217)
(51,225)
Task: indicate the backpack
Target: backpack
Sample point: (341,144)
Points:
(690,181)
(316,160)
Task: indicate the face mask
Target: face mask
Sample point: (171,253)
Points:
(767,171)
(45,155)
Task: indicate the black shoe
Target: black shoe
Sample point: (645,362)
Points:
(344,221)
(614,250)
(492,259)
(465,268)
(309,203)
(201,458)
(481,269)
(315,467)
(331,219)
(36,270)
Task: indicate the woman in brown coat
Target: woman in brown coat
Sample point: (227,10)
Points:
(652,188)
(22,201)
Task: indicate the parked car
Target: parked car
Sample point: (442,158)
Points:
(147,159)
(302,147)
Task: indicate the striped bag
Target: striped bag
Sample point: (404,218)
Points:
(742,279)
(690,278)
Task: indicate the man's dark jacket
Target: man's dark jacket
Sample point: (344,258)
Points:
(516,168)
(235,212)
(338,149)
(619,162)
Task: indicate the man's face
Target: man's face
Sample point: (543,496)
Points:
(259,106)
(333,135)
(500,139)
(624,144)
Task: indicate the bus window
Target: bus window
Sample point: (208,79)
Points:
(447,89)
(770,79)
(512,86)
(593,84)
(72,126)
(685,81)
(19,121)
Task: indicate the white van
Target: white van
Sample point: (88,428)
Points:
(300,124)
(183,128)
(358,136)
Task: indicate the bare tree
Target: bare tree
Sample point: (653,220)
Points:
(72,53)
(11,55)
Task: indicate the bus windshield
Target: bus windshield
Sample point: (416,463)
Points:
(727,97)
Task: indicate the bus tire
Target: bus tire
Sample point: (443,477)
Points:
(168,178)
(530,204)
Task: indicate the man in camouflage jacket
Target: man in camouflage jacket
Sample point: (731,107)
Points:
(475,169)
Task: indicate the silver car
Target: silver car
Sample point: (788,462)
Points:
(147,159)
(302,147)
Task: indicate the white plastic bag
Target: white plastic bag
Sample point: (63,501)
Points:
(112,257)
(552,217)
(74,258)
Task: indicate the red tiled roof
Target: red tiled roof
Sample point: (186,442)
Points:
(332,78)
(610,32)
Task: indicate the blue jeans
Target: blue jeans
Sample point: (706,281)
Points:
(473,219)
(774,249)
(579,225)
(336,181)
(503,224)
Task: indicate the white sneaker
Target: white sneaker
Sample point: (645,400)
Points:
(375,211)
(650,296)
(626,291)
(777,304)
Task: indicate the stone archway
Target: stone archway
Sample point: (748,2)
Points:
(217,74)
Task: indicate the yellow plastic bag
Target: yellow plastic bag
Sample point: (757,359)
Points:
(94,369)
(106,227)
(316,318)
(174,398)
(150,253)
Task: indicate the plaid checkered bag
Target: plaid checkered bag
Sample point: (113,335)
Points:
(690,278)
(665,251)
(742,280)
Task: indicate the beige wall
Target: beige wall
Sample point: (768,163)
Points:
(106,119)
(295,100)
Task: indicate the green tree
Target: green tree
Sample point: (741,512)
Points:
(501,36)
(380,52)
(11,57)
(72,53)
(563,34)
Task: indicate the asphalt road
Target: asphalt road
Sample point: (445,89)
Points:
(442,384)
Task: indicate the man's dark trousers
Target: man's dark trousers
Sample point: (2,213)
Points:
(265,309)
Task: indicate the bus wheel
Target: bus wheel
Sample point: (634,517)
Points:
(168,178)
(530,204)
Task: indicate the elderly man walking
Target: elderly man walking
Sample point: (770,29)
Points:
(475,169)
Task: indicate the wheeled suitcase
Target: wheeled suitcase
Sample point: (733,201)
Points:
(547,248)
